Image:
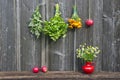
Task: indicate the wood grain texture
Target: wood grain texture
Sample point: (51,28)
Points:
(110,18)
(7,40)
(21,51)
(30,46)
(97,14)
(59,75)
(82,34)
(108,36)
(61,51)
(117,34)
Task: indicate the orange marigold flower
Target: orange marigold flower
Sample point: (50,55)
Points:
(70,27)
(71,20)
(74,23)
(79,26)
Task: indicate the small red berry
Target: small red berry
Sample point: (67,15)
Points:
(44,69)
(89,22)
(35,70)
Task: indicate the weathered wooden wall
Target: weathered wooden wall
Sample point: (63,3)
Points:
(20,50)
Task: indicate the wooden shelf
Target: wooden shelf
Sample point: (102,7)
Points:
(59,75)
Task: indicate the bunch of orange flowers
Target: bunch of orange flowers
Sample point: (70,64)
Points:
(75,20)
(74,23)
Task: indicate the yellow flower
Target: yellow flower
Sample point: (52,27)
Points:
(70,26)
(74,23)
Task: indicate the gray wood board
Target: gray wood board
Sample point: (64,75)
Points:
(21,51)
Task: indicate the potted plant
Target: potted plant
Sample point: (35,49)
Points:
(88,54)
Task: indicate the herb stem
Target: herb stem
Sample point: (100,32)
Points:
(57,13)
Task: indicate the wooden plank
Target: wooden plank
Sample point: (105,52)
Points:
(61,51)
(44,55)
(7,39)
(56,54)
(20,50)
(58,75)
(0,34)
(68,42)
(49,9)
(30,46)
(84,34)
(109,53)
(17,33)
(97,14)
(117,33)
(91,35)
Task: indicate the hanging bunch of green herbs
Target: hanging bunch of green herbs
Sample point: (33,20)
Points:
(55,27)
(35,25)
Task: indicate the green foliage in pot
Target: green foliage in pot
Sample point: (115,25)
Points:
(35,24)
(55,27)
(87,53)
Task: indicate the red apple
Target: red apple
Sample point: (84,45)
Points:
(44,69)
(35,70)
(89,22)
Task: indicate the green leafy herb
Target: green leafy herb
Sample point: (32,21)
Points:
(56,27)
(35,25)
